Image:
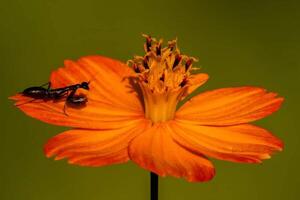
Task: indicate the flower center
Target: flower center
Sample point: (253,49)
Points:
(163,74)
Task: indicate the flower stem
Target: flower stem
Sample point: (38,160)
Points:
(154,186)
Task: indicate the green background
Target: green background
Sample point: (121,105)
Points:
(238,43)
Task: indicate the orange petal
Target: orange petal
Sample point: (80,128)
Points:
(195,81)
(155,150)
(112,99)
(229,106)
(94,147)
(240,143)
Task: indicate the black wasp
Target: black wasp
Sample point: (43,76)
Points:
(68,92)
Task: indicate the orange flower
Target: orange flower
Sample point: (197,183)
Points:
(131,115)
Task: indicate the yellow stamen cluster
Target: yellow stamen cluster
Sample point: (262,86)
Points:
(162,69)
(163,74)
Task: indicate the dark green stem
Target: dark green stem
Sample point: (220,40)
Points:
(154,186)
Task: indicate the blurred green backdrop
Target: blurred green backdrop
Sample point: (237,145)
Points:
(238,43)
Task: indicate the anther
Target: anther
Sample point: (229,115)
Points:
(145,62)
(183,83)
(136,68)
(162,78)
(148,43)
(172,45)
(158,49)
(177,60)
(188,64)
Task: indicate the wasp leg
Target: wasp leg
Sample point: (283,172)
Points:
(65,105)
